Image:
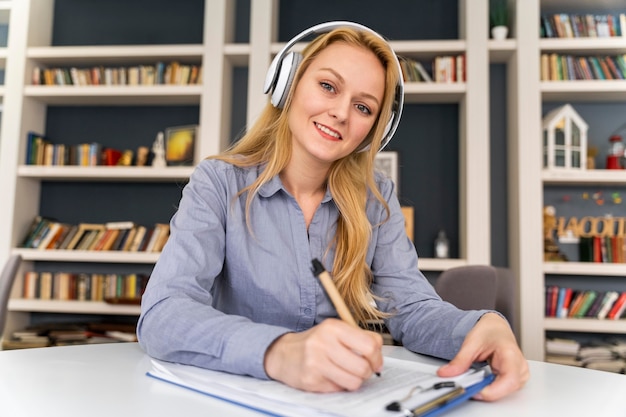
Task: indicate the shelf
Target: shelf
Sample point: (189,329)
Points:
(72,307)
(432,264)
(105,173)
(434,92)
(584,177)
(428,50)
(585,268)
(116,95)
(501,51)
(585,325)
(584,46)
(583,90)
(88,256)
(114,55)
(421,50)
(582,6)
(237,53)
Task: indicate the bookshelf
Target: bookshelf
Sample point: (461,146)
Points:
(34,107)
(527,96)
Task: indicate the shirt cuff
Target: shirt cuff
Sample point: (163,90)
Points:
(245,350)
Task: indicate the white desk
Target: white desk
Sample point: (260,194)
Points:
(109,380)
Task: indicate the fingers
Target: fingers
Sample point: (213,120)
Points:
(492,340)
(355,354)
(330,357)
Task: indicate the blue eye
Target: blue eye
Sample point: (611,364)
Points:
(363,109)
(326,86)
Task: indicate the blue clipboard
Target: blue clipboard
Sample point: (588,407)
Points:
(467,395)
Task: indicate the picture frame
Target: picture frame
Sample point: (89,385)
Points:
(180,142)
(387,163)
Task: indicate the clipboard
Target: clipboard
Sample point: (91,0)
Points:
(273,398)
(468,393)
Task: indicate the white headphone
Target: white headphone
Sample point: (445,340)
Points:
(285,64)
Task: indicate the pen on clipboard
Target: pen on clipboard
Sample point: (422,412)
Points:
(333,294)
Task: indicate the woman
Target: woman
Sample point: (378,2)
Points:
(233,288)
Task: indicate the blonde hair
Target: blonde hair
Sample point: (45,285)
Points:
(350,179)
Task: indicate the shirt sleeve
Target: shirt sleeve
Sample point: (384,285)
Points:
(419,319)
(177,321)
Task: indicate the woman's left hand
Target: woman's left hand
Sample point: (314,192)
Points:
(491,340)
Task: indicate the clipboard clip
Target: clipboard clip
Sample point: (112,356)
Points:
(435,402)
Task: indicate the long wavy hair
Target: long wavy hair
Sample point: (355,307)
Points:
(350,179)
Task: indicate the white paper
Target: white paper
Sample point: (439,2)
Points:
(398,378)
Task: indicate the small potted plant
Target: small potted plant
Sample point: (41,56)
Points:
(499,19)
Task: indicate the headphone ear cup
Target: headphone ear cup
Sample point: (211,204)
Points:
(286,73)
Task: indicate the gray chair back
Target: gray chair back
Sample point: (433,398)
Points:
(7,277)
(477,287)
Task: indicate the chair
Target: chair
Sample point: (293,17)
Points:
(476,287)
(7,276)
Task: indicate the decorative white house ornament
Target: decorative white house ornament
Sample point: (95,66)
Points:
(158,148)
(564,139)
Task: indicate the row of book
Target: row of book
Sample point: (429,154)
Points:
(556,67)
(563,25)
(160,73)
(443,69)
(566,302)
(48,234)
(608,355)
(602,249)
(42,152)
(66,286)
(63,334)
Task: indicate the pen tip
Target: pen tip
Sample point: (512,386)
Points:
(318,268)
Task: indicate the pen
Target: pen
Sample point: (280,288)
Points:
(333,294)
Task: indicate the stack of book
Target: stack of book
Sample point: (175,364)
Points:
(66,286)
(565,302)
(63,334)
(174,73)
(556,67)
(607,356)
(563,25)
(46,233)
(602,249)
(443,69)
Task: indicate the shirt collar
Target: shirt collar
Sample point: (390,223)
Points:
(275,184)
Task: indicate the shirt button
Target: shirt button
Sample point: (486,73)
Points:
(307,311)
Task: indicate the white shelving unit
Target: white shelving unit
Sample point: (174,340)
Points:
(526,176)
(31,30)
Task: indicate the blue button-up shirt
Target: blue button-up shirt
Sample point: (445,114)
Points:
(218,296)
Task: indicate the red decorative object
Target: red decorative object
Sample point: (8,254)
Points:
(615,156)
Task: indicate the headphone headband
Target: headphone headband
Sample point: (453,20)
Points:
(284,65)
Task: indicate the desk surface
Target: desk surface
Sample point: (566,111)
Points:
(110,380)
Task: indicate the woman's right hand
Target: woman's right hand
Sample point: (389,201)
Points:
(332,356)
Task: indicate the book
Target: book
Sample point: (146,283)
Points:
(607,303)
(138,238)
(399,378)
(618,307)
(597,303)
(69,236)
(84,232)
(54,231)
(576,303)
(32,231)
(566,302)
(585,304)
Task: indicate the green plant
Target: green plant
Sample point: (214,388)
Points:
(498,13)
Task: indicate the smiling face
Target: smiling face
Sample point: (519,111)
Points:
(336,102)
